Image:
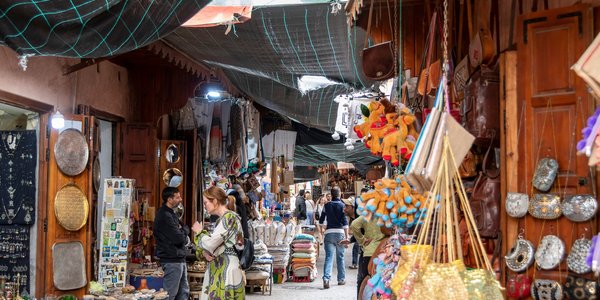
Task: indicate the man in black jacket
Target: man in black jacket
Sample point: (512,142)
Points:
(171,240)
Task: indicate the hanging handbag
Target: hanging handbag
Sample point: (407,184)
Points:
(379,61)
(550,252)
(579,208)
(581,288)
(468,168)
(544,289)
(545,206)
(422,167)
(576,261)
(517,204)
(545,174)
(485,200)
(481,106)
(246,255)
(518,286)
(520,256)
(429,77)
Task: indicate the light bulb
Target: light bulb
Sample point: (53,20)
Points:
(58,120)
(335,136)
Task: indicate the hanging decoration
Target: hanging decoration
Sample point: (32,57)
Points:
(18,159)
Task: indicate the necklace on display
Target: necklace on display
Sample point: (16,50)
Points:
(11,141)
(10,213)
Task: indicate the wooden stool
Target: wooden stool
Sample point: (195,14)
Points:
(195,278)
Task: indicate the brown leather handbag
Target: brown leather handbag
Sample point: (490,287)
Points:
(481,106)
(378,61)
(485,200)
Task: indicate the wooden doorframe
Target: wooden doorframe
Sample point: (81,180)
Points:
(44,110)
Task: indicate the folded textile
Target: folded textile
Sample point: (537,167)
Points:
(302,245)
(303,255)
(304,260)
(308,250)
(304,236)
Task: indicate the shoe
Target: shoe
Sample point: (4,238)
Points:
(343,282)
(353,267)
(325,284)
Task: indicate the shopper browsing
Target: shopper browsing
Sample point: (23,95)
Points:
(224,278)
(171,240)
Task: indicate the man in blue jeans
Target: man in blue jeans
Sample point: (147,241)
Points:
(335,237)
(171,240)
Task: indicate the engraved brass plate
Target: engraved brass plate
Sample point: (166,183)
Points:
(71,207)
(71,152)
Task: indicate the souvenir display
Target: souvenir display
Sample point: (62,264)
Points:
(517,204)
(545,206)
(71,152)
(580,288)
(520,257)
(14,254)
(545,173)
(68,266)
(550,252)
(579,208)
(118,195)
(518,286)
(576,260)
(71,207)
(18,162)
(543,289)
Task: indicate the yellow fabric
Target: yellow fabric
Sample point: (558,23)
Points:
(372,232)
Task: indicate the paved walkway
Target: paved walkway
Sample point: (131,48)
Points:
(314,290)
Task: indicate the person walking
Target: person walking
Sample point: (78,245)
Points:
(171,241)
(224,277)
(300,212)
(368,235)
(335,237)
(350,211)
(310,209)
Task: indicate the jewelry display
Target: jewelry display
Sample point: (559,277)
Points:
(14,255)
(18,150)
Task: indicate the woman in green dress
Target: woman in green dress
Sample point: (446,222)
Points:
(224,277)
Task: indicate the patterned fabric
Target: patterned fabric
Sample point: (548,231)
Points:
(224,278)
(18,159)
(89,28)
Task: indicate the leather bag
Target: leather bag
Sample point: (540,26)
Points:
(485,200)
(379,61)
(481,106)
(430,74)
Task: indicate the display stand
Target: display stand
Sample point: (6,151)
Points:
(118,194)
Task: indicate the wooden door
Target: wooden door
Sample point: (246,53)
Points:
(556,105)
(55,233)
(138,157)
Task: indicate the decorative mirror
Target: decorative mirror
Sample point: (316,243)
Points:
(172,154)
(172,177)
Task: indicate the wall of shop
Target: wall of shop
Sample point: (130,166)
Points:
(103,86)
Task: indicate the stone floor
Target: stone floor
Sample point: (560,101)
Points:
(314,290)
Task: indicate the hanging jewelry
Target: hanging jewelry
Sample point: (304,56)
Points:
(11,141)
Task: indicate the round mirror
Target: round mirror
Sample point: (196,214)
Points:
(172,153)
(172,177)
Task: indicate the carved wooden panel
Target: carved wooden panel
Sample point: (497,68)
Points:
(556,106)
